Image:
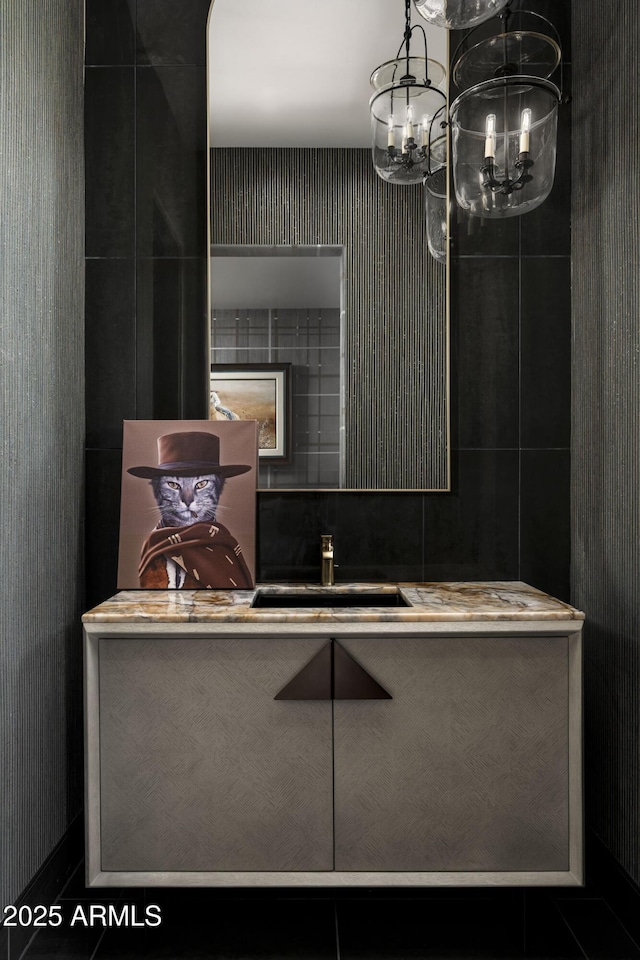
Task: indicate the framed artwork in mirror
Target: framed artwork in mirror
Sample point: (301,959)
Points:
(255,391)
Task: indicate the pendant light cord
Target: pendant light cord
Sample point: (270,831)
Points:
(406,43)
(407,28)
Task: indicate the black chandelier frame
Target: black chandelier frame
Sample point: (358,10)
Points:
(414,154)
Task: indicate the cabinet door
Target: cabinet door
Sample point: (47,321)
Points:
(466,768)
(200,768)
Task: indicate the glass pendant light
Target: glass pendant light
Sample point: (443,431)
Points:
(504,125)
(408,114)
(435,201)
(503,136)
(517,43)
(458,14)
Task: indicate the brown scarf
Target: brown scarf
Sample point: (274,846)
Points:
(207,552)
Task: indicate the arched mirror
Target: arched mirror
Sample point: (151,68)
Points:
(320,271)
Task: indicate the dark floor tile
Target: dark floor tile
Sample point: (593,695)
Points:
(597,875)
(76,890)
(127,944)
(57,870)
(64,943)
(174,900)
(546,935)
(268,931)
(598,930)
(509,898)
(615,886)
(461,929)
(592,889)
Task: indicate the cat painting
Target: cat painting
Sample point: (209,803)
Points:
(189,548)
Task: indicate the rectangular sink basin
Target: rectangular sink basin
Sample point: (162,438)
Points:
(265,600)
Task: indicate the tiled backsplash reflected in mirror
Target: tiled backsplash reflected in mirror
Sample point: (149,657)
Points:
(308,339)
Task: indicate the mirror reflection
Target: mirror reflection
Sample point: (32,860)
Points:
(293,185)
(291,314)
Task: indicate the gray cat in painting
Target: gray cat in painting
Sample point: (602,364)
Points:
(190,548)
(185,500)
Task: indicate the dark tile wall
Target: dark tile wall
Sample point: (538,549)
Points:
(146,316)
(507,514)
(511,340)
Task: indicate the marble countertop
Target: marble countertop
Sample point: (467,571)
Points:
(469,600)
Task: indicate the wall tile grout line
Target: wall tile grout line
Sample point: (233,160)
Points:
(572,932)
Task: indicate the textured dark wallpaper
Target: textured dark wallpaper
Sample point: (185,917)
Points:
(41,431)
(606,411)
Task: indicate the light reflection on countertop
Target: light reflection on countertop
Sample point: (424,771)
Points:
(438,601)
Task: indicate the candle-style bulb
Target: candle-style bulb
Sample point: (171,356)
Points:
(390,138)
(490,137)
(525,127)
(408,130)
(425,131)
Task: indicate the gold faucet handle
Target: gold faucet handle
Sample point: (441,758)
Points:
(326,560)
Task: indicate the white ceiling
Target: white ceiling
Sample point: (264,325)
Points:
(282,282)
(295,73)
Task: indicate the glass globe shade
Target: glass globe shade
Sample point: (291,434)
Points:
(408,118)
(503,142)
(458,14)
(435,202)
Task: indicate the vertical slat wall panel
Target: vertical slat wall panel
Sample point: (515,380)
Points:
(395,296)
(41,429)
(606,409)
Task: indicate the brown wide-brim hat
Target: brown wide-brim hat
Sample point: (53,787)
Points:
(188,455)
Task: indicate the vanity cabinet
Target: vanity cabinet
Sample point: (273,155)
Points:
(200,768)
(464,770)
(467,768)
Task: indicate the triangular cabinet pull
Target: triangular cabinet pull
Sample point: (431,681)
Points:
(351,681)
(313,682)
(332,674)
